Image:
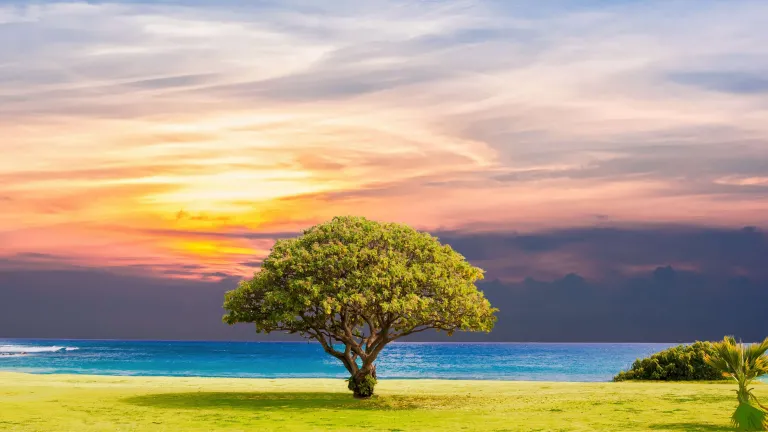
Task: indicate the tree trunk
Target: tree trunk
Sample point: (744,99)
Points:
(363,381)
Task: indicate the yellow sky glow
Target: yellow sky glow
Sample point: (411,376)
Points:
(169,136)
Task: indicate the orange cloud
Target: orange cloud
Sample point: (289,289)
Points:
(161,135)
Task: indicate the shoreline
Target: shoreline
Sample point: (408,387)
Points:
(71,376)
(338,378)
(425,381)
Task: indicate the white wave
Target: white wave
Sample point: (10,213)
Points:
(17,349)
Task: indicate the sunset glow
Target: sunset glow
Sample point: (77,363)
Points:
(162,135)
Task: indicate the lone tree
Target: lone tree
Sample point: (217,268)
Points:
(355,285)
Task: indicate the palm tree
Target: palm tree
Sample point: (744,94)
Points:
(743,363)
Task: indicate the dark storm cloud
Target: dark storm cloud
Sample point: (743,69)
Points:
(722,290)
(98,304)
(664,305)
(610,253)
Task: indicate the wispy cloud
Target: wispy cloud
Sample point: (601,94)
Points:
(268,116)
(729,82)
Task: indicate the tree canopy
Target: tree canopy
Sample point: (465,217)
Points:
(360,284)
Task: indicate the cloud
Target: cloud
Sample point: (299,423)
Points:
(233,234)
(314,86)
(196,127)
(729,82)
(170,82)
(664,305)
(659,305)
(46,302)
(612,253)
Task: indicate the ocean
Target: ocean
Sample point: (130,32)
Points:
(487,361)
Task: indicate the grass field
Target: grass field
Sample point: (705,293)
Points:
(97,403)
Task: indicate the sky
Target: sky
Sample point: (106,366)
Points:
(158,149)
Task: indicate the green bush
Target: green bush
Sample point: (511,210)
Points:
(680,363)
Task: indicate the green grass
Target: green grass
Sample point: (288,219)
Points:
(96,403)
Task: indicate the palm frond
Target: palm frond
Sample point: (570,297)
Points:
(744,363)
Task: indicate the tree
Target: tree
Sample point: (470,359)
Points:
(743,364)
(355,285)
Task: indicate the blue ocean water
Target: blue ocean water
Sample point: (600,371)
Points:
(494,361)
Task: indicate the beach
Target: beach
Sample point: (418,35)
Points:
(85,403)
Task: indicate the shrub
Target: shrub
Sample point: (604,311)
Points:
(680,363)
